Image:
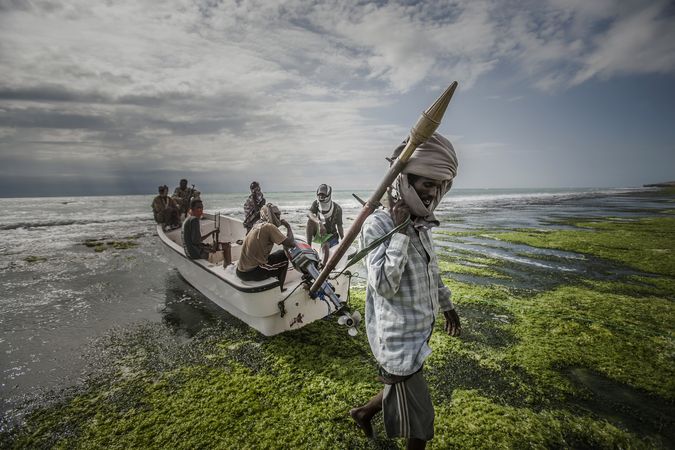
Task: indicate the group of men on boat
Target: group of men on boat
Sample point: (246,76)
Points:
(261,220)
(169,211)
(404,292)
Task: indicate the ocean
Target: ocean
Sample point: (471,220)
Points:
(59,295)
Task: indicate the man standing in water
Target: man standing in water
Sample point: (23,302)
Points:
(252,207)
(404,294)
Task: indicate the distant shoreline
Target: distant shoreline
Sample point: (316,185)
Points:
(664,184)
(336,191)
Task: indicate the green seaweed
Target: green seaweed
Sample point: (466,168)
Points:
(34,259)
(100,245)
(646,244)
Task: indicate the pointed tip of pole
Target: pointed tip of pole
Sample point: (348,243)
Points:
(437,110)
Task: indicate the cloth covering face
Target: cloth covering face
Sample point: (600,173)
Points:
(325,205)
(435,159)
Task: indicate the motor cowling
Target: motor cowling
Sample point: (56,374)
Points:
(303,256)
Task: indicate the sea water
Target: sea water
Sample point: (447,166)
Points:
(58,295)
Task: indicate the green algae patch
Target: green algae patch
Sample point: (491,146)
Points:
(622,330)
(475,421)
(31,259)
(101,245)
(628,339)
(646,244)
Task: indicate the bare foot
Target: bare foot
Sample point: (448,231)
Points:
(362,423)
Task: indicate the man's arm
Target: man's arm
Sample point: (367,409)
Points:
(452,324)
(338,223)
(210,233)
(290,240)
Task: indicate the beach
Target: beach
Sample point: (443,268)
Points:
(565,296)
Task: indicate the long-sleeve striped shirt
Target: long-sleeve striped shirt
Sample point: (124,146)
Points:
(403,295)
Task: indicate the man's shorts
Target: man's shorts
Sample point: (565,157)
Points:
(407,409)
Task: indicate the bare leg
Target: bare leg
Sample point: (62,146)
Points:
(363,415)
(282,277)
(310,231)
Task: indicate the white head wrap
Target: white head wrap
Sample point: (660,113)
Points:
(435,159)
(326,205)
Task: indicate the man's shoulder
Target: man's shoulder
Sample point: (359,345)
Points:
(269,228)
(379,219)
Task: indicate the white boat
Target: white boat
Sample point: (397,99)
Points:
(260,304)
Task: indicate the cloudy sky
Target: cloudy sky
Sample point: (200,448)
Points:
(105,97)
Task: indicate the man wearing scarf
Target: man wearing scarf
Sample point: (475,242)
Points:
(257,262)
(252,207)
(405,293)
(325,218)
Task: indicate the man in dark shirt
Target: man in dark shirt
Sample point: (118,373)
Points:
(192,235)
(325,220)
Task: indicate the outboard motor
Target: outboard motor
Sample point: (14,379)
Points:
(305,259)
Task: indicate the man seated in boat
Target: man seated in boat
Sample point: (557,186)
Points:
(165,209)
(325,221)
(192,235)
(257,262)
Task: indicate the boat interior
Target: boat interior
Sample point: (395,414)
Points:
(223,261)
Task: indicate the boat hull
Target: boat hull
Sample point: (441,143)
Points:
(260,305)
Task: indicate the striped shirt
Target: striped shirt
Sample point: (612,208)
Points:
(403,295)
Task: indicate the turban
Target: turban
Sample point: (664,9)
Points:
(434,159)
